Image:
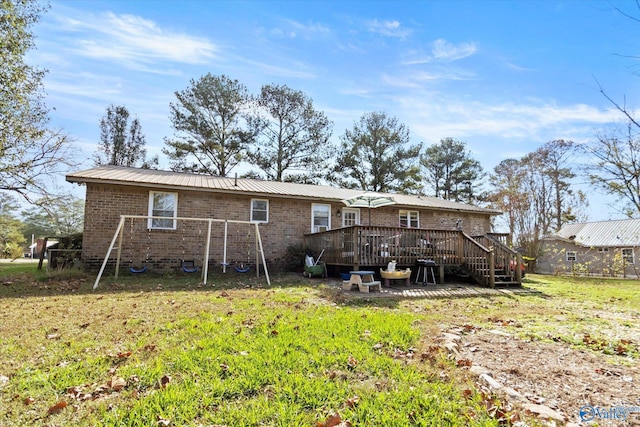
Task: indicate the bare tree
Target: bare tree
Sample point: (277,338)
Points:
(31,153)
(537,193)
(615,166)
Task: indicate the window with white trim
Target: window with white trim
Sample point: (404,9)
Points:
(259,210)
(320,217)
(627,255)
(350,216)
(163,207)
(571,255)
(409,219)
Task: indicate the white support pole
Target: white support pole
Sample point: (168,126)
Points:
(264,262)
(106,258)
(119,252)
(257,248)
(224,249)
(205,262)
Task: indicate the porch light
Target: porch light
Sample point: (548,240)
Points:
(338,213)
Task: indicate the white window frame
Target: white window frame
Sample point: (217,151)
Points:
(628,258)
(152,223)
(350,210)
(254,210)
(571,255)
(316,228)
(408,217)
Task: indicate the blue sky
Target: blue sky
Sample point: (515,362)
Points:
(502,76)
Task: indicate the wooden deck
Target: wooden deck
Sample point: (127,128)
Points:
(487,258)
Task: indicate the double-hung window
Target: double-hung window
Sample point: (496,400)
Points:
(627,255)
(409,219)
(163,207)
(320,217)
(571,255)
(259,210)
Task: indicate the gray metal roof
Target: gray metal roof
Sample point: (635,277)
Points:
(616,233)
(120,175)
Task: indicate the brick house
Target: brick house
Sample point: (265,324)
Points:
(289,215)
(606,248)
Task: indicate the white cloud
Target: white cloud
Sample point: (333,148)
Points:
(388,28)
(132,41)
(444,51)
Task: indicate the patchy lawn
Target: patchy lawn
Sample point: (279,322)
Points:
(165,351)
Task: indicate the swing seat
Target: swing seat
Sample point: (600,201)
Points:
(242,269)
(188,266)
(140,270)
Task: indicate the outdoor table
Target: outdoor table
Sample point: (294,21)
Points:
(363,280)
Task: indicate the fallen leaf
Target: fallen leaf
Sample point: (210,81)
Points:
(53,336)
(163,421)
(124,354)
(353,362)
(463,362)
(57,407)
(118,383)
(352,402)
(28,400)
(164,381)
(332,421)
(274,332)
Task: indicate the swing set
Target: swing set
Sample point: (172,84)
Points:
(187,266)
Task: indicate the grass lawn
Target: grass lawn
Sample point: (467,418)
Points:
(165,351)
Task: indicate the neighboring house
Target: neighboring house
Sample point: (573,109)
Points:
(607,248)
(286,213)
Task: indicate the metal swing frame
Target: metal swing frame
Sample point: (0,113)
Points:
(117,241)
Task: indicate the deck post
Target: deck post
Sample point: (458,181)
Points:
(492,269)
(461,248)
(518,268)
(357,247)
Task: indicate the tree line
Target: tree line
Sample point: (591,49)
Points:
(283,137)
(218,125)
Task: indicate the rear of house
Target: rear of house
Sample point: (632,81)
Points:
(285,212)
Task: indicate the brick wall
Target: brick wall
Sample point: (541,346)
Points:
(289,220)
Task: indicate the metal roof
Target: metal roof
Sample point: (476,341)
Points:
(120,175)
(616,233)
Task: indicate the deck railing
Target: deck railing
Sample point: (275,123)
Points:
(479,261)
(376,246)
(507,261)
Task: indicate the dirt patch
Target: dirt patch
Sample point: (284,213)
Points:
(552,375)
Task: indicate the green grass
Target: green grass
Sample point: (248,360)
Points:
(142,350)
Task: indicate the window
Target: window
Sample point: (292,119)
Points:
(350,217)
(603,250)
(571,255)
(409,219)
(320,218)
(259,210)
(627,255)
(162,206)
